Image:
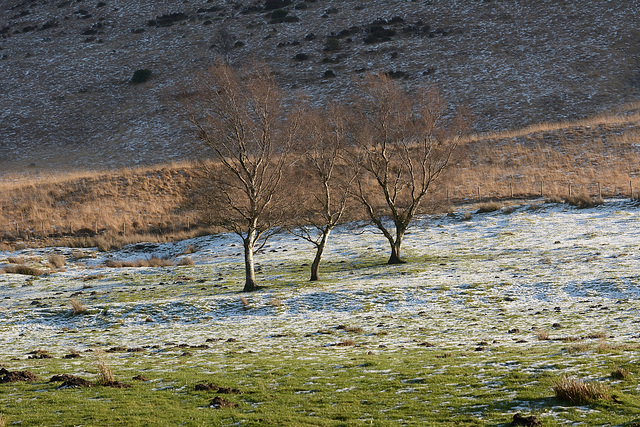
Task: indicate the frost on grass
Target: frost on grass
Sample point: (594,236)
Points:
(467,282)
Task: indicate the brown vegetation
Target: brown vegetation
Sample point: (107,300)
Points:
(580,392)
(597,157)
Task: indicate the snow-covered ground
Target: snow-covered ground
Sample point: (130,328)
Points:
(497,278)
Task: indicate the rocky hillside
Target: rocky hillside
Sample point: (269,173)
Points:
(67,100)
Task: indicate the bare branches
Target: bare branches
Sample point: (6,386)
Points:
(404,144)
(240,119)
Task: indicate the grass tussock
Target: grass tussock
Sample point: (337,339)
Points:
(583,201)
(77,307)
(275,302)
(22,269)
(346,343)
(151,262)
(3,421)
(488,207)
(620,373)
(543,335)
(57,261)
(104,370)
(184,261)
(579,392)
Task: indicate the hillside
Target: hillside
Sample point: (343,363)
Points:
(66,100)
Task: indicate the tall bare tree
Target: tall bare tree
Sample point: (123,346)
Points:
(403,144)
(241,121)
(328,179)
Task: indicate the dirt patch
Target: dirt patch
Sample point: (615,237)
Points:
(520,420)
(116,384)
(217,389)
(10,377)
(218,402)
(71,381)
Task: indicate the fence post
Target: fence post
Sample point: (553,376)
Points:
(188,223)
(511,189)
(569,190)
(541,188)
(599,191)
(631,189)
(478,192)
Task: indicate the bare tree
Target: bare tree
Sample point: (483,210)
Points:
(241,121)
(328,180)
(403,144)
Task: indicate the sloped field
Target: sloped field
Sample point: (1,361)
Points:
(488,313)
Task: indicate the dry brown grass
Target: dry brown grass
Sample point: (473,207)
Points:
(346,343)
(595,157)
(57,261)
(543,335)
(77,307)
(21,269)
(185,261)
(151,262)
(579,392)
(104,369)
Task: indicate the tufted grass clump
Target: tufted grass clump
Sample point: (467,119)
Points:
(580,392)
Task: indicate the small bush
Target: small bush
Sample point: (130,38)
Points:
(346,343)
(579,392)
(301,57)
(140,76)
(15,260)
(332,44)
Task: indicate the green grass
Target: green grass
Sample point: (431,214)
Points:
(322,387)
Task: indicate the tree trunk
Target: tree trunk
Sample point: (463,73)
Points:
(319,250)
(250,273)
(395,249)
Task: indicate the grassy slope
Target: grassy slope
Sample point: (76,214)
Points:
(601,150)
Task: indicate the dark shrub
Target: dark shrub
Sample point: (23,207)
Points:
(276,4)
(141,76)
(329,74)
(301,57)
(332,44)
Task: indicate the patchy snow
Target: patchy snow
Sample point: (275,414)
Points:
(469,282)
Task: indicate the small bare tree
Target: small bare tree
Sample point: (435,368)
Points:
(241,121)
(403,145)
(328,181)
